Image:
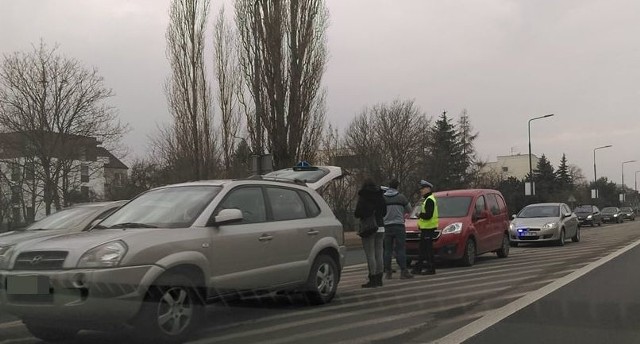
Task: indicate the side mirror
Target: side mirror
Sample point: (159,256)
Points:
(566,215)
(514,216)
(226,216)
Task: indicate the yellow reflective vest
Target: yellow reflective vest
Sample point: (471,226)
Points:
(431,223)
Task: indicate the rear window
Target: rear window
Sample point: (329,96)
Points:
(584,209)
(609,210)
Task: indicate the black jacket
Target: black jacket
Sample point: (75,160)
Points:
(371,202)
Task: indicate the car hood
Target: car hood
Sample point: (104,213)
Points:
(15,237)
(533,222)
(84,240)
(580,213)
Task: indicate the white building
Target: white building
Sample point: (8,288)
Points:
(516,166)
(90,173)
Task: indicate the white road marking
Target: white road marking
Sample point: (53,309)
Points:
(494,317)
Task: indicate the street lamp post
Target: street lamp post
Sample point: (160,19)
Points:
(595,175)
(624,162)
(530,166)
(635,184)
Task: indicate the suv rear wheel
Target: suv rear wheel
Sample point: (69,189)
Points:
(172,309)
(323,280)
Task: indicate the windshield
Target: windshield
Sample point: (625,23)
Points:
(455,206)
(583,209)
(539,211)
(174,207)
(63,219)
(626,210)
(610,210)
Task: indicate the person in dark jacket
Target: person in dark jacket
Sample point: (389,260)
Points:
(394,230)
(371,203)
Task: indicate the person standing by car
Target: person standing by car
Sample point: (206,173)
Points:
(394,231)
(428,224)
(371,203)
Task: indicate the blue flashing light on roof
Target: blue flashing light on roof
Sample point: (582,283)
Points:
(304,166)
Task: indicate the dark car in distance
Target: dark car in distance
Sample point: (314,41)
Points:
(628,213)
(612,215)
(588,215)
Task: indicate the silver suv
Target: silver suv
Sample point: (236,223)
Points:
(156,261)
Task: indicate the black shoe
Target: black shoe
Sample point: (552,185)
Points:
(372,282)
(378,280)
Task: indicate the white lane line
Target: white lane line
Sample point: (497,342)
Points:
(494,317)
(11,324)
(410,301)
(411,296)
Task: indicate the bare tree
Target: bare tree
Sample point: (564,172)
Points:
(389,141)
(188,92)
(53,105)
(283,56)
(229,80)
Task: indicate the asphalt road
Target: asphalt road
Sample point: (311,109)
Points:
(602,306)
(420,310)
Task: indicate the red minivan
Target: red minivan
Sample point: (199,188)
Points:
(471,222)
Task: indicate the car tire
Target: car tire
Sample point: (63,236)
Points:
(600,223)
(576,238)
(323,279)
(560,241)
(51,333)
(172,299)
(503,251)
(469,255)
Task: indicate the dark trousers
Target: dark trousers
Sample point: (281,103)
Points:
(395,238)
(425,257)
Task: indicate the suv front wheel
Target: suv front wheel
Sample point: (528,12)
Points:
(171,310)
(323,280)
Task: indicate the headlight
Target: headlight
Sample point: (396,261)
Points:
(615,215)
(589,217)
(453,228)
(512,226)
(104,256)
(550,225)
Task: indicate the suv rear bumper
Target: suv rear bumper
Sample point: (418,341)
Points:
(112,295)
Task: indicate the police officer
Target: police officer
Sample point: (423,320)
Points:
(427,223)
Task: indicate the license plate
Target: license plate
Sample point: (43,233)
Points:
(606,218)
(27,285)
(528,234)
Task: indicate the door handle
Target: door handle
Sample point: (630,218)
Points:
(313,232)
(265,237)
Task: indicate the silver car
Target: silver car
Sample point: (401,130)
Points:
(77,218)
(155,262)
(544,222)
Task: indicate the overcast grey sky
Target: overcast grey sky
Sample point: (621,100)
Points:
(505,61)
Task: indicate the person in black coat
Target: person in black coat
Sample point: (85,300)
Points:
(371,203)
